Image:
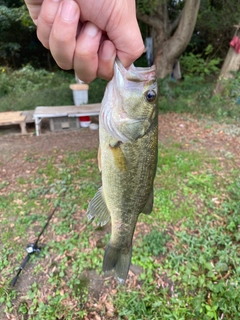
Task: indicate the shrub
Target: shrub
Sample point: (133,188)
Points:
(27,88)
(197,65)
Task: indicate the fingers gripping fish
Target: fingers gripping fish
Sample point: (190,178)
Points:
(128,128)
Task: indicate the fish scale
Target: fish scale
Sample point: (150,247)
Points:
(128,129)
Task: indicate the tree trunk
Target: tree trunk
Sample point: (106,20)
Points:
(231,64)
(170,39)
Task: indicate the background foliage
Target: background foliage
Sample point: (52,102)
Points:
(18,42)
(29,77)
(209,29)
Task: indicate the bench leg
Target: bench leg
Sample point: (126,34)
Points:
(38,126)
(23,128)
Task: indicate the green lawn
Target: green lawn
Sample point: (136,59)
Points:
(187,249)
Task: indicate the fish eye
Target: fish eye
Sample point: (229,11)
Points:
(150,95)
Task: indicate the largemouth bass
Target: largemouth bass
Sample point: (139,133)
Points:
(127,157)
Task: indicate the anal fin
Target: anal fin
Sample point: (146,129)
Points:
(98,210)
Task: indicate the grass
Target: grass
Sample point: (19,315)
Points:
(188,248)
(194,94)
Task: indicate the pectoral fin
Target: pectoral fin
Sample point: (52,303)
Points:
(149,205)
(98,210)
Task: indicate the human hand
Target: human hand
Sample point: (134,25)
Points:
(87,35)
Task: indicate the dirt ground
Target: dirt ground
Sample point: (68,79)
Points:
(216,139)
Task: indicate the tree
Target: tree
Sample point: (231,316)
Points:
(214,26)
(231,63)
(18,41)
(172,24)
(9,27)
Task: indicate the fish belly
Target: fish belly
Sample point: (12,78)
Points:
(128,171)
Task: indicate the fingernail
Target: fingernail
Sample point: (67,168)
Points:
(108,54)
(69,10)
(90,29)
(108,51)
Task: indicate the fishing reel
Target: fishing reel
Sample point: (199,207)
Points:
(33,248)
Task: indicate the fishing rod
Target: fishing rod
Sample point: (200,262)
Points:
(32,248)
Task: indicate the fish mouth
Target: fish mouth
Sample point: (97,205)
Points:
(136,74)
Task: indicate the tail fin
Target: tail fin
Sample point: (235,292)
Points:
(118,260)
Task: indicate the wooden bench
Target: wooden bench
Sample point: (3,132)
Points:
(11,118)
(63,111)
